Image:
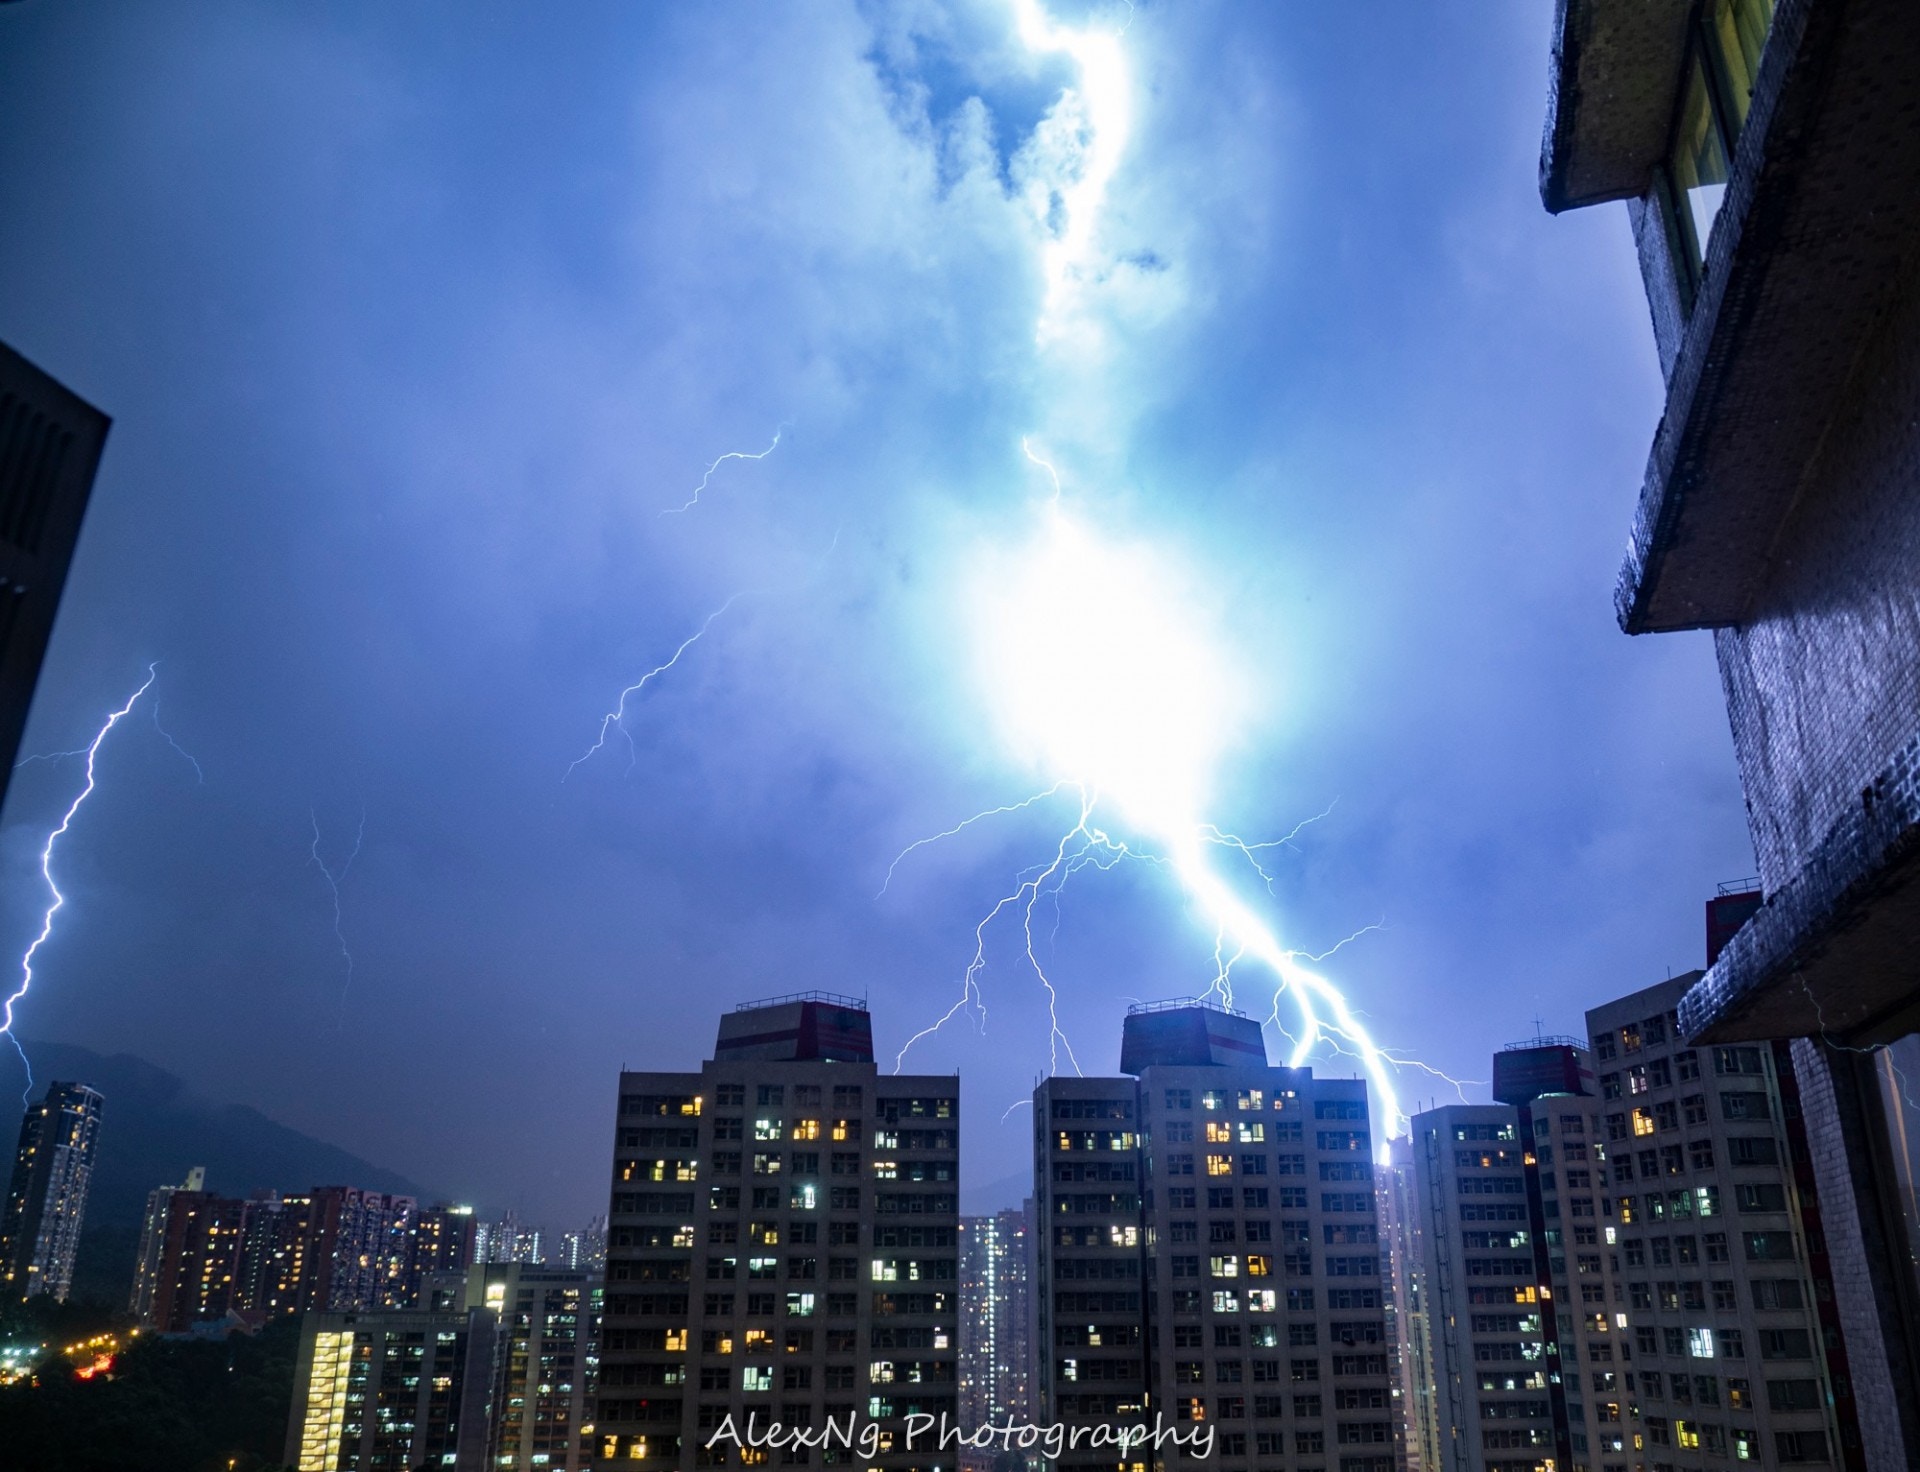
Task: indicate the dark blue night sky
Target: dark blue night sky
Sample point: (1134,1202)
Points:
(412,321)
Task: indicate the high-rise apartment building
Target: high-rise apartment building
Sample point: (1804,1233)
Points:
(1509,1227)
(47,1196)
(782,1242)
(393,1389)
(153,1237)
(508,1240)
(198,1262)
(1620,1263)
(547,1358)
(1771,173)
(584,1250)
(50,444)
(996,1318)
(1738,1352)
(1209,1254)
(439,1240)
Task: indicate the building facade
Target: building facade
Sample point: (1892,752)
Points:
(996,1322)
(47,1195)
(547,1363)
(1738,1349)
(1209,1257)
(153,1236)
(50,444)
(1772,178)
(1400,1225)
(393,1390)
(782,1245)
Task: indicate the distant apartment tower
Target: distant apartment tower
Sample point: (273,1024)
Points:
(996,1311)
(584,1250)
(1209,1252)
(393,1389)
(153,1236)
(507,1240)
(50,444)
(782,1241)
(47,1198)
(1738,1350)
(547,1363)
(198,1262)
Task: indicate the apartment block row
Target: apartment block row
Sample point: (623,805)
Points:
(1620,1266)
(205,1258)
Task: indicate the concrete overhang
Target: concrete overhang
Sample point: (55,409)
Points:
(1611,85)
(1834,953)
(1816,232)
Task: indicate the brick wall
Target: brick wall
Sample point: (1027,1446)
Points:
(1822,683)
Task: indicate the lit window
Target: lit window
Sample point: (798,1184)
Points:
(806,1129)
(756,1377)
(1219,1165)
(767,1129)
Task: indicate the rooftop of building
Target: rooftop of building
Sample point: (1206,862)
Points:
(797,1027)
(1189,1032)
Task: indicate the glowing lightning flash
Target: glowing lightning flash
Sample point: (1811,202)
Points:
(1103,678)
(91,751)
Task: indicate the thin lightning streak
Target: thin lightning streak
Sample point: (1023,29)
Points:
(1046,465)
(334,881)
(1879,1054)
(961,826)
(1016,1104)
(1079,846)
(92,750)
(694,500)
(616,718)
(176,745)
(1246,850)
(1340,944)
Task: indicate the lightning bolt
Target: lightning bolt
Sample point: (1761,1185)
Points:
(616,719)
(91,751)
(707,479)
(1102,677)
(334,881)
(164,736)
(1026,448)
